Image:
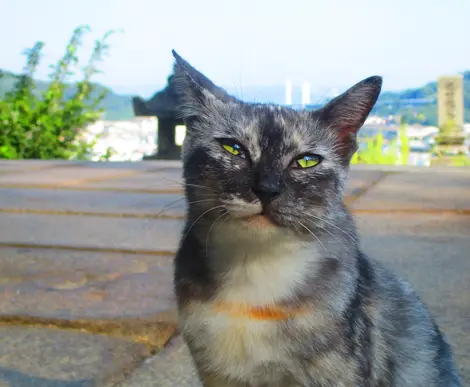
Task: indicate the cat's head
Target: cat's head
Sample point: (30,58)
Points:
(264,166)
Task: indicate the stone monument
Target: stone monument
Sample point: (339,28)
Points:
(451,138)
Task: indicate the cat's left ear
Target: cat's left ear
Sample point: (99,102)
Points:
(198,95)
(346,113)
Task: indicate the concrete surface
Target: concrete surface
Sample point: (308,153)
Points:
(66,284)
(110,203)
(86,264)
(91,232)
(171,367)
(419,191)
(44,357)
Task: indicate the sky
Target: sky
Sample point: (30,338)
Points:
(241,43)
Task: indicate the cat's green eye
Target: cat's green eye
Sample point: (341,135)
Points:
(232,147)
(307,161)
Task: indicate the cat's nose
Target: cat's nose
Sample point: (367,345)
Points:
(266,190)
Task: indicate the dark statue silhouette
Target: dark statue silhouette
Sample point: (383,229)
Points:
(163,106)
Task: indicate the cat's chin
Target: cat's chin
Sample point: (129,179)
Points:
(251,229)
(259,221)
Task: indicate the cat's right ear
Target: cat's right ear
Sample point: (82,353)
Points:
(346,113)
(198,96)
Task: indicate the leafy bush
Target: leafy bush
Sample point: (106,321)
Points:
(46,125)
(397,151)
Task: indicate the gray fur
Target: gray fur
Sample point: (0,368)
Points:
(362,326)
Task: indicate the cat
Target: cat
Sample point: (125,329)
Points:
(271,285)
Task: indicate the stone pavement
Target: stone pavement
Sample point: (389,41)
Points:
(86,255)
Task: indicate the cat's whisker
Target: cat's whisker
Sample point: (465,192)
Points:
(313,234)
(210,229)
(335,226)
(151,221)
(202,200)
(175,204)
(329,232)
(179,184)
(198,218)
(168,206)
(203,187)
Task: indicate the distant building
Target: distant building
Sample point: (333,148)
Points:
(288,93)
(306,94)
(375,120)
(127,140)
(420,131)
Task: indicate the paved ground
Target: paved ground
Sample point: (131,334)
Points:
(85,265)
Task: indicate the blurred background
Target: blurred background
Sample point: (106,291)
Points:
(89,227)
(88,79)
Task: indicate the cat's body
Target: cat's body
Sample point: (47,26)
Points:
(272,287)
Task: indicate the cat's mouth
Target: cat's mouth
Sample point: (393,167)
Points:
(252,215)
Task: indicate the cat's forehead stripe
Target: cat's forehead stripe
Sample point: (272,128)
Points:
(250,135)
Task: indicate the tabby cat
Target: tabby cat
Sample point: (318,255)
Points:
(272,287)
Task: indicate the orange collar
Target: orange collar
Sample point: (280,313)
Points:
(269,312)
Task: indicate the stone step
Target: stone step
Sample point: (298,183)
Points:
(89,232)
(127,297)
(68,285)
(98,202)
(444,190)
(170,368)
(51,357)
(164,179)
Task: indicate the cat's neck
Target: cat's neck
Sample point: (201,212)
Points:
(240,266)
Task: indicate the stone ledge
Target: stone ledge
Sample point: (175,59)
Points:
(145,235)
(170,368)
(63,176)
(438,191)
(90,202)
(54,358)
(153,332)
(126,297)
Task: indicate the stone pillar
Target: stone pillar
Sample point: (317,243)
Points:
(450,101)
(450,141)
(166,146)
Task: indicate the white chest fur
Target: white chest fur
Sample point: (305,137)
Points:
(234,346)
(265,280)
(239,346)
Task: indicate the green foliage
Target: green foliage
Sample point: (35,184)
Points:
(404,145)
(397,151)
(115,106)
(47,124)
(110,152)
(460,161)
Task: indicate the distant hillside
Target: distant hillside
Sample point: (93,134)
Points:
(422,110)
(116,107)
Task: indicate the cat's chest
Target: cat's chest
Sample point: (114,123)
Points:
(236,346)
(264,352)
